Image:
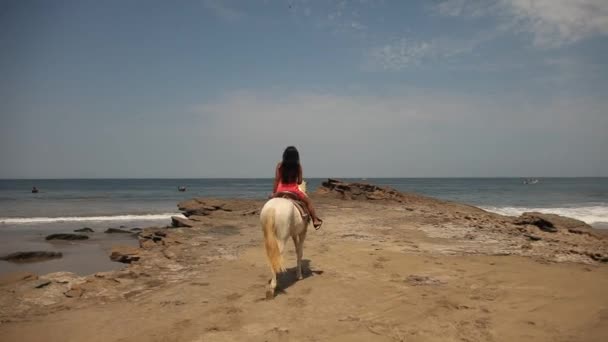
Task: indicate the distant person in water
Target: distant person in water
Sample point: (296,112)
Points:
(34,190)
(288,176)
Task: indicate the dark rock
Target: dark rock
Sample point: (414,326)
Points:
(34,256)
(117,231)
(125,254)
(84,230)
(67,237)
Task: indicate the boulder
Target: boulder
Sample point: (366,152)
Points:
(117,231)
(84,230)
(125,254)
(67,236)
(34,256)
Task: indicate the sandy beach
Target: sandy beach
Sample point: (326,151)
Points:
(385,266)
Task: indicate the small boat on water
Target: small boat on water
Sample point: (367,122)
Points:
(34,190)
(181,188)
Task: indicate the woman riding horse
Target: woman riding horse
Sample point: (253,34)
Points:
(288,176)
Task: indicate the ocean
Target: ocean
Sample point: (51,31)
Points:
(111,201)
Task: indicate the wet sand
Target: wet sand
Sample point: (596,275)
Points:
(82,257)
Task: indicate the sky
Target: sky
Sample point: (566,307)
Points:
(211,88)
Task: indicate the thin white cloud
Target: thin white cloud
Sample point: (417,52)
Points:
(552,23)
(407,53)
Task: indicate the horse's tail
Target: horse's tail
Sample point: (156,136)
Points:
(272,244)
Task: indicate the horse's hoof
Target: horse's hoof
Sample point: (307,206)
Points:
(269,294)
(299,276)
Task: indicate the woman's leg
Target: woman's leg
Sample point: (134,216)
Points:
(316,221)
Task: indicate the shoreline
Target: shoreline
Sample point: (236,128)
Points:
(431,270)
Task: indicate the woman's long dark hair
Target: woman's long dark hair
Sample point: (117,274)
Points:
(290,165)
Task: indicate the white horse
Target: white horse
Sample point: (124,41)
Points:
(280,220)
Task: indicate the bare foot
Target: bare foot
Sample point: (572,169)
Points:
(317,223)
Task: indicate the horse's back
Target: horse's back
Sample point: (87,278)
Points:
(286,216)
(278,206)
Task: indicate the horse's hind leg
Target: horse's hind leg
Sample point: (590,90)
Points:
(299,243)
(296,243)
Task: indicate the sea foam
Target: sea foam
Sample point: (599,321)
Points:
(590,215)
(145,217)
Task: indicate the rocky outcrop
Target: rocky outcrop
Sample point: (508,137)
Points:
(359,191)
(84,230)
(552,223)
(209,206)
(34,256)
(125,254)
(198,207)
(67,236)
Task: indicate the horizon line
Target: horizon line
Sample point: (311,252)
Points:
(235,178)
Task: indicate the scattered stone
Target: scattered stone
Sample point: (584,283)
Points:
(136,229)
(125,254)
(84,230)
(35,256)
(67,237)
(117,231)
